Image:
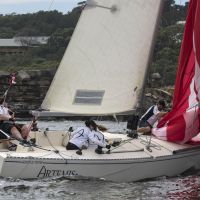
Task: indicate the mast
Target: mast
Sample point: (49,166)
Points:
(141,101)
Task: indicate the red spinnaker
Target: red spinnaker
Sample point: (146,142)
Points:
(183,122)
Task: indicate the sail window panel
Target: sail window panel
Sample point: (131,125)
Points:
(89,97)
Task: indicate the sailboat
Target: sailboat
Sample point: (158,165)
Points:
(103,72)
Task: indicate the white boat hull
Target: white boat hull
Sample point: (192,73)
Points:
(119,166)
(122,170)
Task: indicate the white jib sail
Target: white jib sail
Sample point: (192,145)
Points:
(103,69)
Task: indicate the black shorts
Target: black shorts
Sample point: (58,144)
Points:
(71,146)
(19,127)
(144,124)
(5,127)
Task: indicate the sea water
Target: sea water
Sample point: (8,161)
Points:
(180,187)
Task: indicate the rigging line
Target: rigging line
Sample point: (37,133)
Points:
(11,82)
(51,4)
(38,147)
(148,142)
(56,150)
(121,144)
(30,126)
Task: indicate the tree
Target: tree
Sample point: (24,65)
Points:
(60,39)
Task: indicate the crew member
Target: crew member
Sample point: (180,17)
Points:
(153,114)
(7,125)
(83,135)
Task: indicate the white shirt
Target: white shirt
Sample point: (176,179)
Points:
(96,137)
(82,136)
(152,120)
(4,111)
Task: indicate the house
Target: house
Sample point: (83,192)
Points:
(20,44)
(180,22)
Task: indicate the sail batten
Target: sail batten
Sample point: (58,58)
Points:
(106,58)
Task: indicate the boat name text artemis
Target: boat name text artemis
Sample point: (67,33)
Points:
(45,173)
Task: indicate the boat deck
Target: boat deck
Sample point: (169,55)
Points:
(129,149)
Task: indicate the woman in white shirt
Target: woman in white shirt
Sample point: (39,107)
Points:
(84,135)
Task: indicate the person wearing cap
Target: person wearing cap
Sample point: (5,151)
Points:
(152,115)
(84,135)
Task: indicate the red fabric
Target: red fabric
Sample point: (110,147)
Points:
(182,122)
(197,32)
(186,62)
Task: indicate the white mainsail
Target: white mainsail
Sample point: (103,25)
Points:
(103,69)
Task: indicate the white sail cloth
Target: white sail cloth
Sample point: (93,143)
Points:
(104,66)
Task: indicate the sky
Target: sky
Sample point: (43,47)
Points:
(30,6)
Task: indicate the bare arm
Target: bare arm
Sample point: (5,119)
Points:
(161,114)
(5,117)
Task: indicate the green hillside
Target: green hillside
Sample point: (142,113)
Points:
(61,26)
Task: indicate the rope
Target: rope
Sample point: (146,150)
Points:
(11,82)
(121,144)
(56,150)
(148,143)
(51,4)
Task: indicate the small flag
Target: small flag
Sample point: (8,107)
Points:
(12,79)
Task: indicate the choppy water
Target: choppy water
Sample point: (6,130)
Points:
(181,187)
